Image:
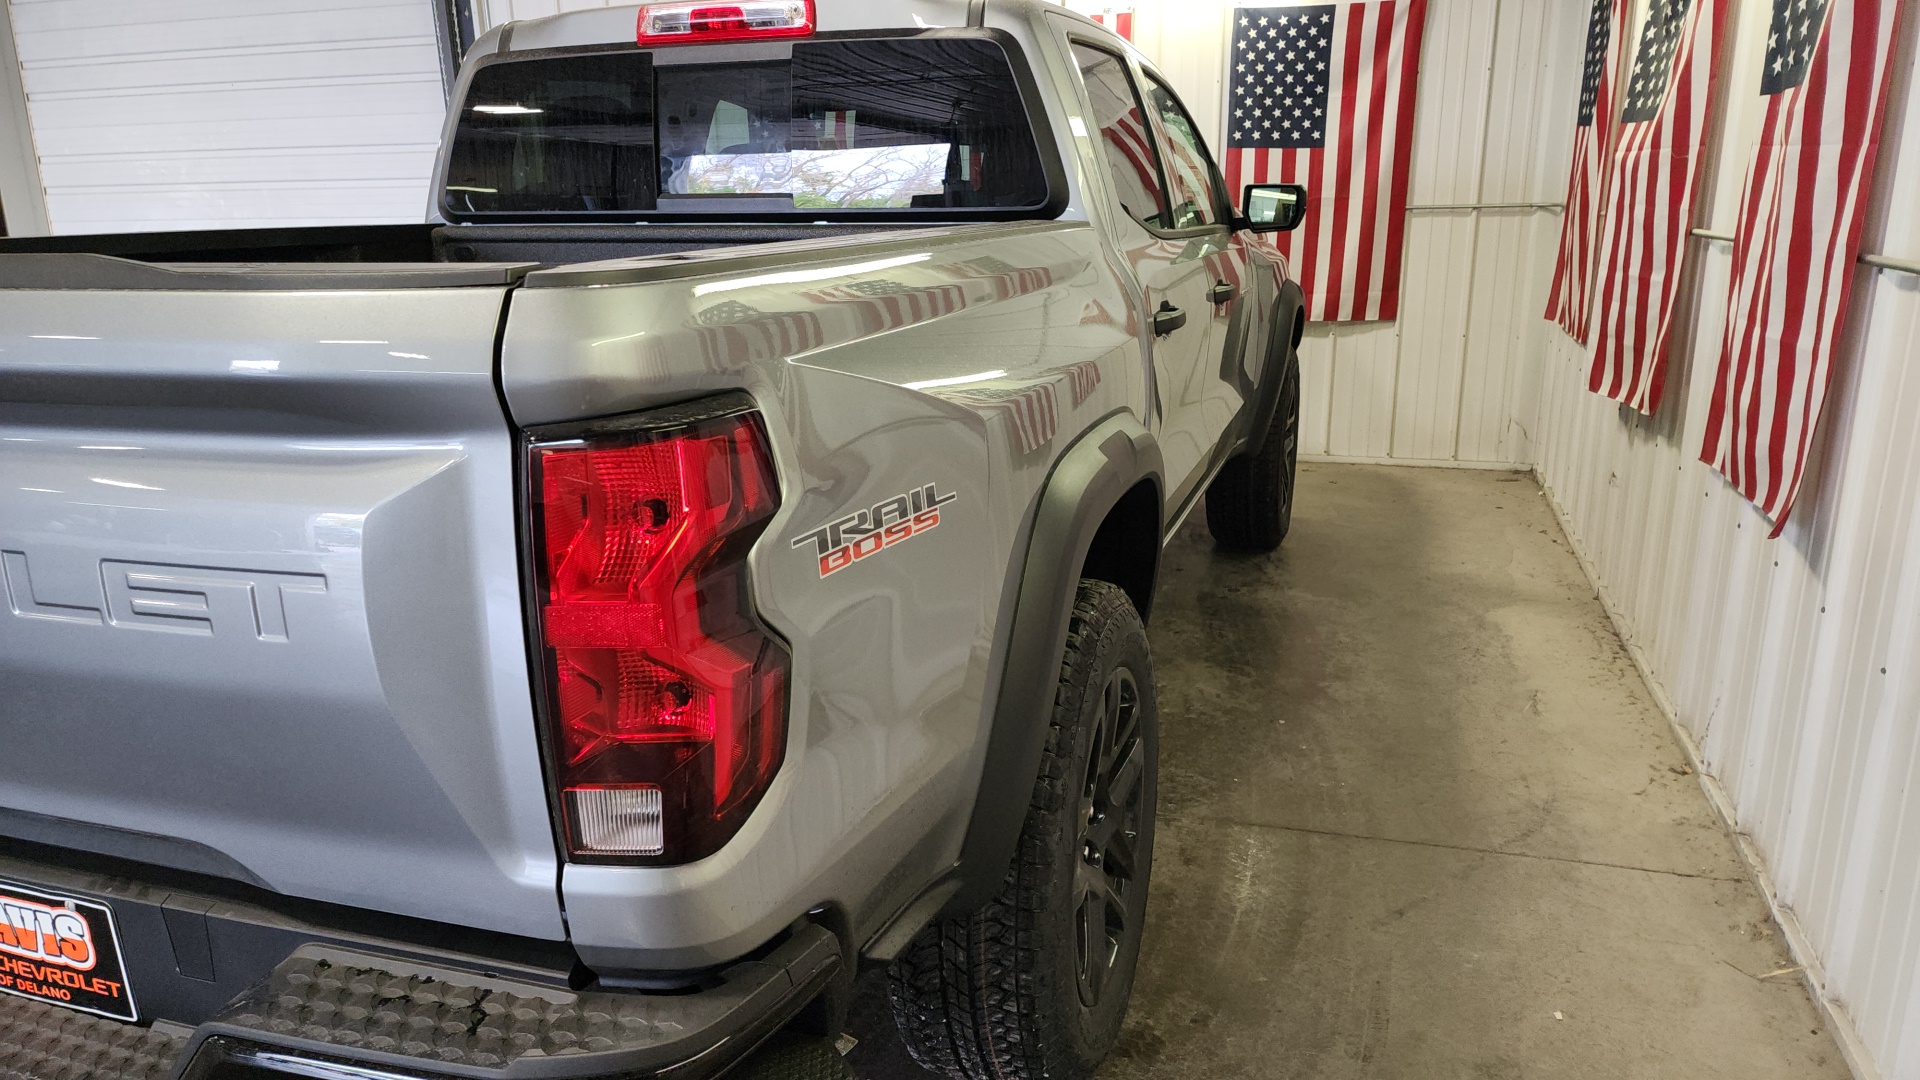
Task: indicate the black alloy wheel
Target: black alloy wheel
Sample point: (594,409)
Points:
(1250,501)
(1109,834)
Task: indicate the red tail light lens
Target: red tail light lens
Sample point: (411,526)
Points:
(682,24)
(666,700)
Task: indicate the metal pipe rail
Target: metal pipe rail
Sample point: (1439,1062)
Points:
(1883,262)
(1433,207)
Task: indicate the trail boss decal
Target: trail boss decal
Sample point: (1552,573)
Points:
(845,541)
(62,951)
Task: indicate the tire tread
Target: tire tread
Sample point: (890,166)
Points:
(968,995)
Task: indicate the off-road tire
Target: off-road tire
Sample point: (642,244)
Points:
(1250,501)
(1002,994)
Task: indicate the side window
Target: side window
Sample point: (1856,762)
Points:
(1124,135)
(1196,202)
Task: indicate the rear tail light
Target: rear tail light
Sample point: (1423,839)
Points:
(666,700)
(679,24)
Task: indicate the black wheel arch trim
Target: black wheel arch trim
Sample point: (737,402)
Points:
(1086,483)
(1289,320)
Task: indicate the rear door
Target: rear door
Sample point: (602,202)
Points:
(1169,243)
(1212,397)
(262,611)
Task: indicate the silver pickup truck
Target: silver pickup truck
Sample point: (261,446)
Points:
(572,636)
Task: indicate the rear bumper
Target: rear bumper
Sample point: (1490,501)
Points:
(330,1014)
(333,1005)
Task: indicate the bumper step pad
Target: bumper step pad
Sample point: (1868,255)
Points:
(337,1004)
(330,999)
(335,1012)
(47,1042)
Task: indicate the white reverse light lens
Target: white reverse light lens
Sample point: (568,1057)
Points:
(744,18)
(617,820)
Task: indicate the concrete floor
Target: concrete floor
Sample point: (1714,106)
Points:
(1420,818)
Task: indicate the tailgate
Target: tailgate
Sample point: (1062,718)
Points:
(262,604)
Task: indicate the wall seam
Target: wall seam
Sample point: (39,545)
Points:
(1473,242)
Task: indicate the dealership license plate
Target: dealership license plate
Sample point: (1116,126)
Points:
(62,950)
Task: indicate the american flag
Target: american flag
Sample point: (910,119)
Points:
(1651,186)
(1794,247)
(1322,95)
(1570,303)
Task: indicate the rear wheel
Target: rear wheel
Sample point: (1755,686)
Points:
(1250,501)
(1036,983)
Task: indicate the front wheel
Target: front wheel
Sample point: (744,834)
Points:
(1036,983)
(1250,501)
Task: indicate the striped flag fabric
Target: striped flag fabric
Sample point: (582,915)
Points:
(1122,127)
(837,129)
(1798,235)
(1323,95)
(881,306)
(1119,21)
(1032,413)
(1651,185)
(1570,301)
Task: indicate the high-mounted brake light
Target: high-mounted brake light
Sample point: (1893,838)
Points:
(666,701)
(681,24)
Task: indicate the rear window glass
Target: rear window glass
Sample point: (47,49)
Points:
(842,126)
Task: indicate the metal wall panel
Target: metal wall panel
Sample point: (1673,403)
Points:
(206,114)
(1790,662)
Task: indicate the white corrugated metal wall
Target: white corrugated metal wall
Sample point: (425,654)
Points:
(1790,662)
(200,114)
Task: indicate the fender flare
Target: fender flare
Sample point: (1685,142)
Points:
(1088,480)
(1283,339)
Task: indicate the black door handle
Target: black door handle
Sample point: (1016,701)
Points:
(1222,293)
(1168,319)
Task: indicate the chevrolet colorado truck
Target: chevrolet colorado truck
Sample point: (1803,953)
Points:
(705,558)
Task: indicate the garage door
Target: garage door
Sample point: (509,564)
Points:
(196,114)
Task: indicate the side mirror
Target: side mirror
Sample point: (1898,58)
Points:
(1274,207)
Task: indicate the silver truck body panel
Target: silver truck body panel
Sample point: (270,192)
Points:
(378,748)
(963,358)
(261,584)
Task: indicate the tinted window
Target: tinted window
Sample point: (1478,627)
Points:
(842,126)
(1190,171)
(1132,161)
